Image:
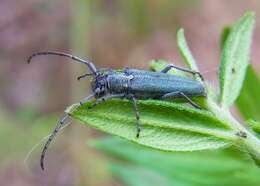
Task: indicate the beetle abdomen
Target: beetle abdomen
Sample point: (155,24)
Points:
(157,84)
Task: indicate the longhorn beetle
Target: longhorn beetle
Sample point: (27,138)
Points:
(131,84)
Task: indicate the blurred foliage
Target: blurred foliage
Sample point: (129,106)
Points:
(255,125)
(223,167)
(16,140)
(249,100)
(138,14)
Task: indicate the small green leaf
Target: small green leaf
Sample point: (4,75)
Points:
(235,58)
(222,167)
(249,100)
(255,126)
(185,51)
(224,35)
(159,65)
(165,125)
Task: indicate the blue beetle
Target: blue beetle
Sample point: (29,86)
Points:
(131,84)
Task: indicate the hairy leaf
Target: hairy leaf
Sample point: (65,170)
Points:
(185,51)
(223,167)
(255,126)
(159,65)
(234,59)
(224,36)
(249,100)
(165,125)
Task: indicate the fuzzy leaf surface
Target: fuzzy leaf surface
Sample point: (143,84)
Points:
(185,51)
(255,126)
(249,100)
(165,125)
(224,36)
(235,58)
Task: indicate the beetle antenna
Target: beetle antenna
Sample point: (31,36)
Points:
(90,65)
(56,130)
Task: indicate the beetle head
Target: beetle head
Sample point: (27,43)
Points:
(99,85)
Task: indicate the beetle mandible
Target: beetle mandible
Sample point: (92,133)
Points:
(131,84)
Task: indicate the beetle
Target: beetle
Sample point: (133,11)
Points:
(131,84)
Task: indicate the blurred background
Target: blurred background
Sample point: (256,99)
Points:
(113,33)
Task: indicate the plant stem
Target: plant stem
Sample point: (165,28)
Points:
(250,141)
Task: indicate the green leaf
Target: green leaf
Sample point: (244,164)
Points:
(133,175)
(223,167)
(234,59)
(255,126)
(185,51)
(224,35)
(159,65)
(249,100)
(165,125)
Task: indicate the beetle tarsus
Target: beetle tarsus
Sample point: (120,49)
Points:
(137,115)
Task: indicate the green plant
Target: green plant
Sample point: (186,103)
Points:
(137,165)
(169,126)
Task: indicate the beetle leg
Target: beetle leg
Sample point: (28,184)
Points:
(170,66)
(178,94)
(137,115)
(105,98)
(86,99)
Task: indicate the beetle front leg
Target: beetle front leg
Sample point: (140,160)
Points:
(178,94)
(105,98)
(170,66)
(137,115)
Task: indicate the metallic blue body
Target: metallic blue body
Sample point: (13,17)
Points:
(151,85)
